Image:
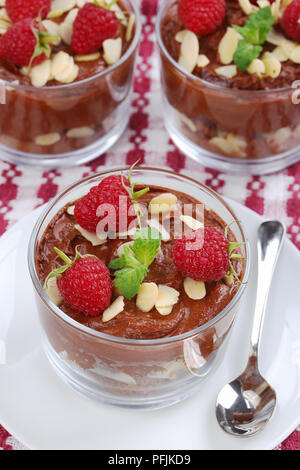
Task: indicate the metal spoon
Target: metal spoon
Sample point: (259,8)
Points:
(245,405)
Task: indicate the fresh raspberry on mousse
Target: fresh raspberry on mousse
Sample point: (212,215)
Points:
(93,25)
(84,283)
(18,10)
(26,43)
(108,191)
(290,20)
(202,17)
(202,255)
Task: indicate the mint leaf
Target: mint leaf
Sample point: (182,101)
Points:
(132,267)
(146,245)
(128,280)
(245,53)
(127,260)
(257,26)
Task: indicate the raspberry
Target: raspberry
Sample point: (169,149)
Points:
(289,21)
(202,16)
(86,286)
(20,9)
(19,44)
(92,26)
(108,191)
(202,254)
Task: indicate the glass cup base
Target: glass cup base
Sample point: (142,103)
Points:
(67,159)
(233,165)
(89,387)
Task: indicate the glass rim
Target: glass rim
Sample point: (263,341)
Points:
(201,81)
(104,72)
(115,339)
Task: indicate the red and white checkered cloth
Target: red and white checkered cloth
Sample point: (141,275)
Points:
(275,196)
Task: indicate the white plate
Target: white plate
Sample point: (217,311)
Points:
(44,413)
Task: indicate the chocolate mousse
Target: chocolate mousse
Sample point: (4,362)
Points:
(249,52)
(142,316)
(60,104)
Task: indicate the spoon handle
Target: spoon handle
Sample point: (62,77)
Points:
(269,243)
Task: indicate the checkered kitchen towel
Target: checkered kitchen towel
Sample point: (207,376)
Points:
(275,196)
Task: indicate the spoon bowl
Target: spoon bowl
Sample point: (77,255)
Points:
(245,405)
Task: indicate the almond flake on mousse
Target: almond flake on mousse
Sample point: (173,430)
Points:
(59,7)
(63,68)
(129,29)
(228,71)
(40,74)
(47,139)
(112,50)
(87,57)
(189,52)
(90,236)
(80,132)
(228,45)
(114,309)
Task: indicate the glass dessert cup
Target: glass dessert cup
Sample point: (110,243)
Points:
(66,125)
(246,132)
(128,372)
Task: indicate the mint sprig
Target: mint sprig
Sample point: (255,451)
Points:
(255,33)
(132,267)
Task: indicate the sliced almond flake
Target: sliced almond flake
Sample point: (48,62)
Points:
(53,292)
(40,74)
(280,54)
(114,309)
(80,132)
(53,29)
(66,32)
(87,57)
(71,16)
(179,37)
(275,9)
(71,210)
(272,65)
(112,50)
(91,237)
(228,71)
(129,29)
(4,16)
(59,7)
(288,46)
(189,52)
(47,139)
(147,296)
(274,37)
(192,223)
(195,290)
(162,203)
(188,122)
(257,66)
(202,60)
(165,310)
(228,45)
(263,3)
(295,55)
(247,7)
(167,296)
